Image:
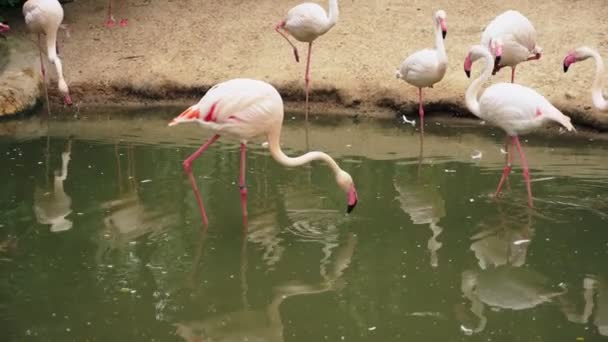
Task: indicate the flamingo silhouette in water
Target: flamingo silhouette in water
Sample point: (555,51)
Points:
(45,17)
(514,108)
(306,22)
(244,109)
(111,22)
(426,67)
(581,54)
(511,38)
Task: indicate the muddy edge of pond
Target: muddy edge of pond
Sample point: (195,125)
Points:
(167,54)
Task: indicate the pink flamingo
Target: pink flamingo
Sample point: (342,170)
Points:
(511,38)
(45,17)
(243,109)
(581,54)
(426,67)
(514,108)
(110,22)
(306,22)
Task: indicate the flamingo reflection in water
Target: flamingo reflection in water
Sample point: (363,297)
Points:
(266,324)
(53,206)
(595,296)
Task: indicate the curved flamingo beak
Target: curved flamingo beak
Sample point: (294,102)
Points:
(188,114)
(67,99)
(498,54)
(569,60)
(444,28)
(467,66)
(352,199)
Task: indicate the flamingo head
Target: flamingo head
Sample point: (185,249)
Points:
(189,115)
(475,52)
(496,49)
(468,64)
(4,27)
(576,55)
(440,17)
(65,91)
(345,181)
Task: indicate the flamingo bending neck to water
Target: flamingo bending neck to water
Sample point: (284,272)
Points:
(426,67)
(306,22)
(244,109)
(514,108)
(511,38)
(581,54)
(45,17)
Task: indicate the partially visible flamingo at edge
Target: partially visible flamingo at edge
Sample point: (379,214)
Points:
(581,54)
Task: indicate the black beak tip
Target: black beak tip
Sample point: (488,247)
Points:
(497,60)
(468,72)
(565,68)
(350,207)
(444,33)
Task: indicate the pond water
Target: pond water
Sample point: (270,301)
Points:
(101,238)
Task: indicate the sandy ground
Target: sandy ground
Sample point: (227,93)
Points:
(176,49)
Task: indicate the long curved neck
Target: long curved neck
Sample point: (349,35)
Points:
(473,90)
(439,44)
(333,12)
(276,152)
(51,50)
(598,83)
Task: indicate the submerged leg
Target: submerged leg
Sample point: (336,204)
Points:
(526,170)
(187,167)
(420,110)
(242,186)
(295,50)
(507,169)
(307,78)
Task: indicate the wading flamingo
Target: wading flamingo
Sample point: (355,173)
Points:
(243,109)
(514,108)
(45,17)
(511,38)
(110,22)
(306,22)
(580,54)
(426,67)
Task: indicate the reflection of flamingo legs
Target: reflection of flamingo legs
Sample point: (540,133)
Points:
(242,185)
(433,245)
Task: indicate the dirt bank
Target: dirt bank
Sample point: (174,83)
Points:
(172,50)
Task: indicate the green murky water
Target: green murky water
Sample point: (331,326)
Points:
(101,238)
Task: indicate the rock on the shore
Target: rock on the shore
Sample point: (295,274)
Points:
(19,76)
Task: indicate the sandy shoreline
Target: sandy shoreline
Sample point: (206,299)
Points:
(172,54)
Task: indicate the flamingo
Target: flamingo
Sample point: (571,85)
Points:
(243,109)
(426,67)
(110,22)
(514,108)
(581,54)
(511,38)
(306,22)
(45,17)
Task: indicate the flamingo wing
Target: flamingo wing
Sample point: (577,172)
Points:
(306,21)
(421,68)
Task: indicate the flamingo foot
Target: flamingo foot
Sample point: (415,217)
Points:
(123,22)
(110,23)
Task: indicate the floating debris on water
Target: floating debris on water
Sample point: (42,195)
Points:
(520,242)
(406,121)
(449,171)
(541,179)
(371,328)
(476,154)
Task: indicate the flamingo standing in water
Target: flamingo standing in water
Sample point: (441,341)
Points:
(426,67)
(45,17)
(110,22)
(514,108)
(243,109)
(511,38)
(306,22)
(581,54)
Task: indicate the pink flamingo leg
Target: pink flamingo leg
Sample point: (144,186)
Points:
(110,22)
(512,74)
(507,169)
(187,164)
(307,77)
(41,59)
(526,170)
(278,29)
(420,110)
(242,186)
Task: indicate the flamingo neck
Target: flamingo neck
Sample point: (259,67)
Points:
(51,50)
(282,158)
(473,90)
(440,45)
(333,12)
(598,83)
